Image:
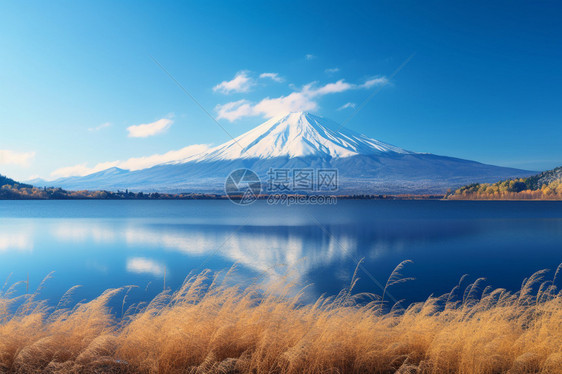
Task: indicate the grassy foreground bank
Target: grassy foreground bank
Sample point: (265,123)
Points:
(207,327)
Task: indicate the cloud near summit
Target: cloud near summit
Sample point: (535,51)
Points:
(244,81)
(305,99)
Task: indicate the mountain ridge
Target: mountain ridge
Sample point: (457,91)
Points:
(303,140)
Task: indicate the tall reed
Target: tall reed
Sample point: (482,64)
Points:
(208,326)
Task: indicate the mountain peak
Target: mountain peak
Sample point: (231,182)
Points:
(302,140)
(298,134)
(296,118)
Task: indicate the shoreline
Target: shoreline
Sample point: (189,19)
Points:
(220,197)
(341,197)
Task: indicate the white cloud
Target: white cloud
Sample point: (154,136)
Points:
(98,128)
(332,70)
(235,109)
(346,106)
(380,81)
(269,107)
(135,163)
(138,163)
(142,265)
(272,76)
(8,157)
(75,170)
(305,99)
(241,82)
(309,57)
(149,129)
(339,86)
(294,102)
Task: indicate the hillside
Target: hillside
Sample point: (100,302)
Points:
(12,190)
(544,186)
(5,181)
(546,177)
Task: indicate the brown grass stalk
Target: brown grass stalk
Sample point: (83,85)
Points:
(210,327)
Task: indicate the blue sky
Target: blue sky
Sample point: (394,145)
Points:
(77,81)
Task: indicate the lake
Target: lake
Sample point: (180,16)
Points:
(156,244)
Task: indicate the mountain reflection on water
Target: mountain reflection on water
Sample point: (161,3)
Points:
(149,244)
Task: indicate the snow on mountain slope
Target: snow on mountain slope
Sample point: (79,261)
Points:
(302,140)
(297,134)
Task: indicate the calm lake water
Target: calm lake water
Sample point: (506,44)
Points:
(107,244)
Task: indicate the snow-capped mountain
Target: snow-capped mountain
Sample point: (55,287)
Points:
(298,134)
(302,140)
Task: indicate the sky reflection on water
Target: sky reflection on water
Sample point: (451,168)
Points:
(139,243)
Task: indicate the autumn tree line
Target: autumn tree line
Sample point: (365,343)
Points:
(17,191)
(545,186)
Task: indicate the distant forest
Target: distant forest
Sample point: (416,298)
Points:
(12,190)
(544,186)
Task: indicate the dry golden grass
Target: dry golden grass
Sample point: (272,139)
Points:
(209,327)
